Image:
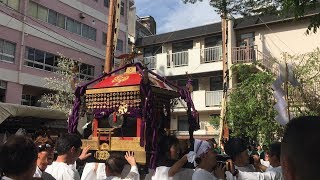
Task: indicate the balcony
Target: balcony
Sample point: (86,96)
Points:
(150,62)
(211,54)
(251,54)
(213,98)
(178,59)
(204,101)
(191,61)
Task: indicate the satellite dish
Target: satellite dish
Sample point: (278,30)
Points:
(115,120)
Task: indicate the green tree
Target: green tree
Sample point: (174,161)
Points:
(294,8)
(250,111)
(62,84)
(305,98)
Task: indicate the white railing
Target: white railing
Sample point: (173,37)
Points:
(151,62)
(178,59)
(211,54)
(213,98)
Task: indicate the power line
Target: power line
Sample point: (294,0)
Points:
(276,36)
(36,21)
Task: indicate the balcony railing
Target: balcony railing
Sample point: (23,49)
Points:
(151,62)
(246,54)
(178,59)
(211,54)
(250,54)
(213,98)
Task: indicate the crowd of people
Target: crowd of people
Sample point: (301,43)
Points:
(294,158)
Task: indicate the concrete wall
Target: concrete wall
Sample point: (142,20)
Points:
(41,35)
(287,37)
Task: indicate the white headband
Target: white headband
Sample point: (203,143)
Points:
(200,147)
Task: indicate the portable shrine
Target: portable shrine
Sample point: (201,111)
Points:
(131,111)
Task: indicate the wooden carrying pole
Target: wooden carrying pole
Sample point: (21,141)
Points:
(109,44)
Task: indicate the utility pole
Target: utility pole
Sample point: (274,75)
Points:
(224,29)
(109,44)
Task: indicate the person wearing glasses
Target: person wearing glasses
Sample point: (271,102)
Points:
(68,147)
(45,147)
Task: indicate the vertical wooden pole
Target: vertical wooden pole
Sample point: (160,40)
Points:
(109,44)
(225,78)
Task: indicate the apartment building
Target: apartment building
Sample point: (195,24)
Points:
(197,51)
(34,32)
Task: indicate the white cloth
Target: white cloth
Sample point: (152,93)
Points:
(94,171)
(265,163)
(37,173)
(161,173)
(268,175)
(133,175)
(199,148)
(201,174)
(6,178)
(248,168)
(62,171)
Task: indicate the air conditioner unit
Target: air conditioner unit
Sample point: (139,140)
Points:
(82,15)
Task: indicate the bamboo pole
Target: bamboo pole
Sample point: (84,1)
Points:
(109,44)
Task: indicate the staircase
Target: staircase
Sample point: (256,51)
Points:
(305,96)
(253,55)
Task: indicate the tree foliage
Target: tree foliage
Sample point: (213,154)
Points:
(62,85)
(296,8)
(250,111)
(306,97)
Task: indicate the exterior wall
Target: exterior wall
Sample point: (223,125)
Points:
(26,31)
(287,37)
(205,128)
(13,93)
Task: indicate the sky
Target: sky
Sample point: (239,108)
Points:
(172,15)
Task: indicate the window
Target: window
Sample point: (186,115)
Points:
(3,87)
(40,59)
(122,8)
(32,9)
(42,13)
(152,51)
(11,3)
(73,26)
(52,17)
(216,83)
(7,51)
(106,3)
(120,45)
(89,32)
(29,100)
(86,71)
(182,46)
(213,41)
(183,124)
(61,21)
(246,39)
(37,11)
(104,38)
(183,82)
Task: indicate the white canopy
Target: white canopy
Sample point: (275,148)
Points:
(15,110)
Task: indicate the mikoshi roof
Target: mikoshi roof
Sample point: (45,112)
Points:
(133,79)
